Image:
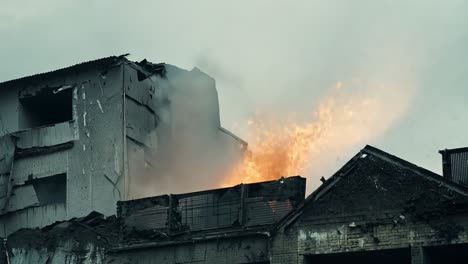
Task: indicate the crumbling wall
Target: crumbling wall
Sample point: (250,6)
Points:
(229,225)
(78,241)
(65,169)
(314,234)
(109,130)
(349,233)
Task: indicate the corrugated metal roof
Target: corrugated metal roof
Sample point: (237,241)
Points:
(107,61)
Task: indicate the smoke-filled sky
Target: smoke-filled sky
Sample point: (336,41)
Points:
(279,57)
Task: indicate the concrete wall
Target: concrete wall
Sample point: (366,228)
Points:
(87,149)
(96,177)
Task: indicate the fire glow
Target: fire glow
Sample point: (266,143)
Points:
(342,120)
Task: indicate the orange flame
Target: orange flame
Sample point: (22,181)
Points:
(276,150)
(289,148)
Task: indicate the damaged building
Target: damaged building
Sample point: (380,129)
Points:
(82,138)
(228,225)
(377,208)
(89,153)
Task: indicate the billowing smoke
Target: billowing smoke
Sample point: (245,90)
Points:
(310,133)
(310,136)
(191,151)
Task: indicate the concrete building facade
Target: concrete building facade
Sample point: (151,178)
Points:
(79,139)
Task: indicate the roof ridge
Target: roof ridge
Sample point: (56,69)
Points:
(324,187)
(430,175)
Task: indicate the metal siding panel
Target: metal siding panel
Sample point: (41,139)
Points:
(204,211)
(46,136)
(459,167)
(33,217)
(40,166)
(220,208)
(7,153)
(149,218)
(22,197)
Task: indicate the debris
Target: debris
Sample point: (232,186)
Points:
(100,106)
(65,87)
(84,119)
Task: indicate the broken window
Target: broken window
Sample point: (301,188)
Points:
(51,190)
(37,192)
(46,107)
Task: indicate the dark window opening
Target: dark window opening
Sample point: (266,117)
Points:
(51,190)
(388,256)
(46,108)
(446,254)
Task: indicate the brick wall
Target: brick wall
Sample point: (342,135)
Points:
(347,233)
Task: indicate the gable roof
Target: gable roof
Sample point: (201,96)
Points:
(382,179)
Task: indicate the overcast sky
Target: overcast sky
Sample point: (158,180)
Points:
(278,56)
